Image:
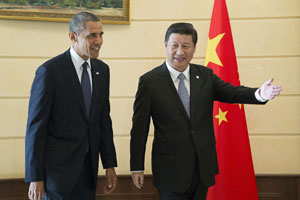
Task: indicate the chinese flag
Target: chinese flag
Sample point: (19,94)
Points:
(236,179)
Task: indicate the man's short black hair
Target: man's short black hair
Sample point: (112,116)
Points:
(183,29)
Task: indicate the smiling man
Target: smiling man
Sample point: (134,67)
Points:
(69,122)
(179,97)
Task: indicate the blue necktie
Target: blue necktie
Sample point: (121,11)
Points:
(86,88)
(183,94)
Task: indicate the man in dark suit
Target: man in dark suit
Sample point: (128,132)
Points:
(179,97)
(68,119)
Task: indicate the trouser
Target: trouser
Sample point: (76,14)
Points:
(196,190)
(84,189)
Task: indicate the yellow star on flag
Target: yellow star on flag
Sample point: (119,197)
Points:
(211,53)
(221,116)
(240,105)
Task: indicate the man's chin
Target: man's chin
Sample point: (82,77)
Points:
(179,64)
(94,55)
(180,68)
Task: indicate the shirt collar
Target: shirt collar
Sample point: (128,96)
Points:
(174,73)
(77,60)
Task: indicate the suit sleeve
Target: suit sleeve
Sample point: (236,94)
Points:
(140,127)
(107,147)
(38,113)
(227,93)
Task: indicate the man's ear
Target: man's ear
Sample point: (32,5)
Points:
(73,36)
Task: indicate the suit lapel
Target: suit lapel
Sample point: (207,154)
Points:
(168,86)
(196,82)
(72,77)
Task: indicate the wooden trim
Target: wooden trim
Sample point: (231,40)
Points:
(13,189)
(277,187)
(298,188)
(277,175)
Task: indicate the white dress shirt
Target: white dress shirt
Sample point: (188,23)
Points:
(78,62)
(174,75)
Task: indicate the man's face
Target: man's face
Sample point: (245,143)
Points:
(180,50)
(88,42)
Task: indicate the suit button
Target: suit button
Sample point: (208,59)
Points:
(192,131)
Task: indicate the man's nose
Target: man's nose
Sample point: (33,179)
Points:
(179,51)
(98,40)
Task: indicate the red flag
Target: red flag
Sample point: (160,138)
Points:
(236,179)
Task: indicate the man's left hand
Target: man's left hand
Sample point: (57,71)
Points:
(269,91)
(111,180)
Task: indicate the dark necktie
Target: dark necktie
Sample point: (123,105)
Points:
(183,94)
(86,88)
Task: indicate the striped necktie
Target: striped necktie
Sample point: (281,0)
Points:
(183,94)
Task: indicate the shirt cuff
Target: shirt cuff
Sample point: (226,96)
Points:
(258,97)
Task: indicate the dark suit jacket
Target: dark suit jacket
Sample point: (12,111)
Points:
(178,140)
(59,132)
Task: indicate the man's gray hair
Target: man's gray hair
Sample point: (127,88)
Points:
(77,23)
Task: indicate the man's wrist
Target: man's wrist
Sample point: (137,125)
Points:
(258,96)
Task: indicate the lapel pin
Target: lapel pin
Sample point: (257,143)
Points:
(197,77)
(97,73)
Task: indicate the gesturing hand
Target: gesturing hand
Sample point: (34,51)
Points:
(36,190)
(269,91)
